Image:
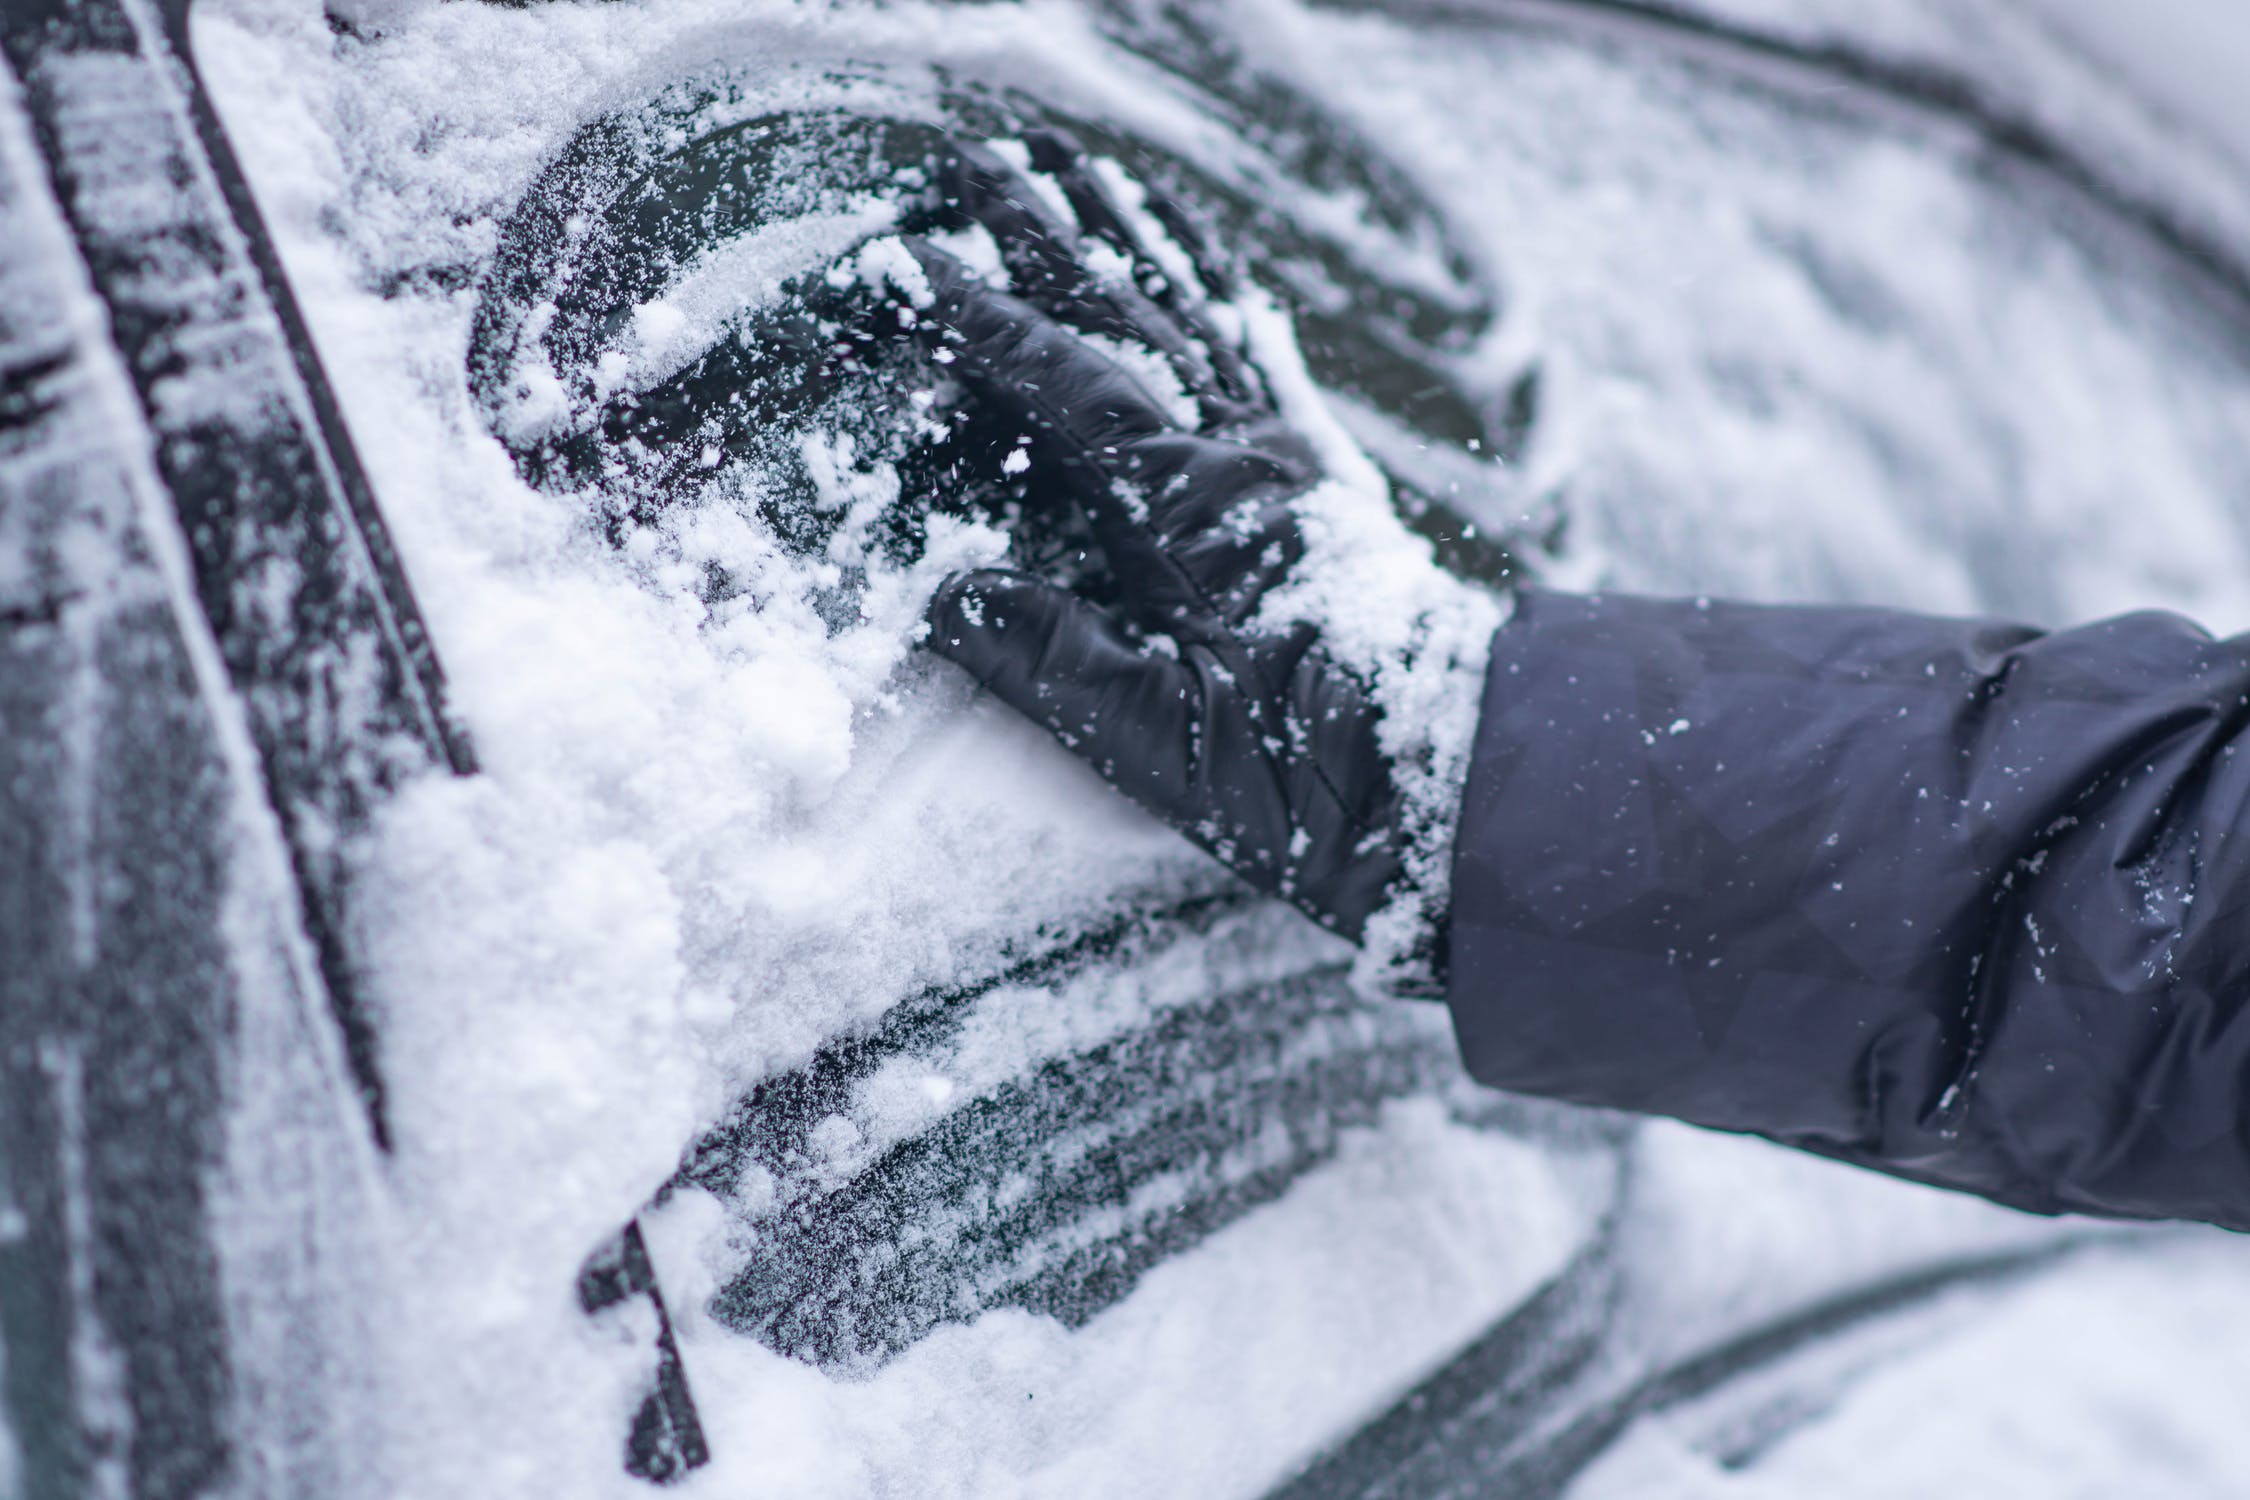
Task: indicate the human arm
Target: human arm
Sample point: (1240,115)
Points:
(1953,899)
(1949,899)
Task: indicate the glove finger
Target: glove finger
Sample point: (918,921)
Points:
(1219,373)
(1045,266)
(1128,710)
(1079,414)
(1196,528)
(1038,246)
(1238,550)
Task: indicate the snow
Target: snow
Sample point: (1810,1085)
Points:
(2140,92)
(1779,360)
(1185,1387)
(2112,1376)
(2185,57)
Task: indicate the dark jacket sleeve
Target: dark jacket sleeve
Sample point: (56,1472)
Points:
(1954,899)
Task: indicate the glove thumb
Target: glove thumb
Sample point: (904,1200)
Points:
(1124,707)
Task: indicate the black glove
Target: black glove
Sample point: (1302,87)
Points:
(1250,740)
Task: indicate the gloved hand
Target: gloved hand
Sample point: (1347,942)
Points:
(1246,735)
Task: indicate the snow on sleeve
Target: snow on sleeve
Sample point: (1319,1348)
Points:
(1418,635)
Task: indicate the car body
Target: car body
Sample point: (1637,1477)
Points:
(691,1039)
